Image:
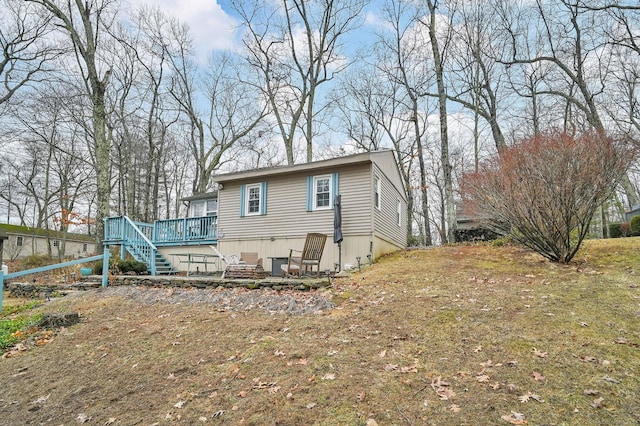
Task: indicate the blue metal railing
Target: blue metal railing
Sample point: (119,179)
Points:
(170,231)
(185,229)
(133,238)
(105,270)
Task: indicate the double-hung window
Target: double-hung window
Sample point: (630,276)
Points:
(19,241)
(377,192)
(253,199)
(321,190)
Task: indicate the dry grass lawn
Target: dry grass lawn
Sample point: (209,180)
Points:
(457,335)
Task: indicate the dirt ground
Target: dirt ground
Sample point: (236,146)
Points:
(459,335)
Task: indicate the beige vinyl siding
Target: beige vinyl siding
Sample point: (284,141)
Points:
(287,214)
(33,244)
(385,219)
(386,162)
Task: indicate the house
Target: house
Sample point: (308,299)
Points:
(25,241)
(270,211)
(635,211)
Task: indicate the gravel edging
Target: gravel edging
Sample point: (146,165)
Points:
(238,299)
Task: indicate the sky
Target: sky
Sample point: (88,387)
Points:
(211,27)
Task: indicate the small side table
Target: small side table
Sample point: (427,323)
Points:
(276,263)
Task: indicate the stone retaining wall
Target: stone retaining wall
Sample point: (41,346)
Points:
(21,289)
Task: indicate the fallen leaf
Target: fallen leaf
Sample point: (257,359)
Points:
(538,377)
(391,367)
(382,354)
(539,353)
(514,418)
(329,376)
(477,349)
(179,404)
(511,388)
(454,408)
(598,403)
(610,380)
(483,378)
(371,422)
(83,418)
(445,394)
(311,405)
(586,358)
(242,394)
(279,353)
(591,392)
(438,383)
(495,386)
(274,389)
(408,369)
(528,396)
(218,413)
(362,396)
(111,420)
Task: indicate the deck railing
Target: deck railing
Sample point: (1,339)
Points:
(133,237)
(165,232)
(185,230)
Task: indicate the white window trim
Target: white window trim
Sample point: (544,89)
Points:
(399,212)
(203,205)
(377,188)
(247,192)
(315,193)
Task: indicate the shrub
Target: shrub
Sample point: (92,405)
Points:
(635,225)
(36,261)
(625,229)
(615,230)
(131,265)
(544,191)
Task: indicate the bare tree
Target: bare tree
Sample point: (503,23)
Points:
(437,50)
(296,46)
(24,45)
(569,39)
(234,113)
(373,112)
(85,24)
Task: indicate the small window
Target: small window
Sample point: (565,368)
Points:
(212,208)
(84,247)
(204,208)
(253,199)
(19,241)
(399,212)
(56,243)
(377,192)
(322,192)
(197,208)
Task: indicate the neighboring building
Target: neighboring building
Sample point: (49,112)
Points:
(635,211)
(25,241)
(472,226)
(271,210)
